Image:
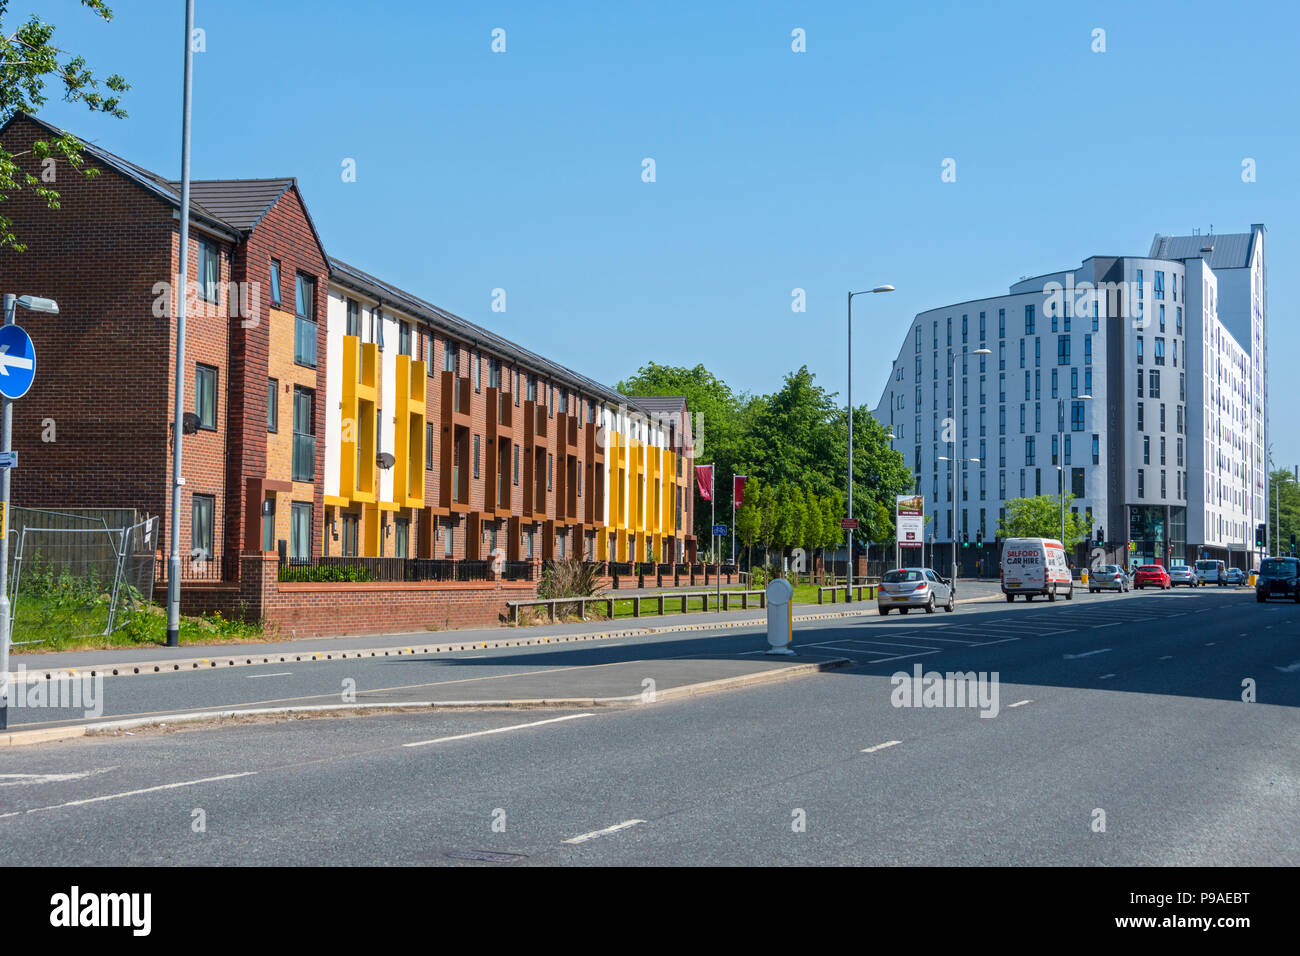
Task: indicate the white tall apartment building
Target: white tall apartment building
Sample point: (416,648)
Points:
(1138,385)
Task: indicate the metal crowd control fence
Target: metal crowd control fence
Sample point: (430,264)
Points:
(80,581)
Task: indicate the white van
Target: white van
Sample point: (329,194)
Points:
(1211,572)
(1035,566)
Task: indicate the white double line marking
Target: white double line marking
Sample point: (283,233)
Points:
(130,793)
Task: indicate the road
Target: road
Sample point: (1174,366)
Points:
(1122,710)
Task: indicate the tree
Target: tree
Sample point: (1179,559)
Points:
(1040,517)
(749,517)
(28,62)
(1283,510)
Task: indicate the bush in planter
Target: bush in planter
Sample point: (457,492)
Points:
(570,577)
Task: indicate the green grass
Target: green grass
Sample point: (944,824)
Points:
(57,625)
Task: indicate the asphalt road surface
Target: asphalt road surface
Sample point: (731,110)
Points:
(1151,728)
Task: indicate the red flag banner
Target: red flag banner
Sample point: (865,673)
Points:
(738,489)
(704,481)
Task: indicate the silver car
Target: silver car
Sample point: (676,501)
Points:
(1107,577)
(1182,574)
(907,588)
(1236,577)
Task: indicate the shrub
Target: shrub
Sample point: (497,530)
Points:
(324,573)
(571,577)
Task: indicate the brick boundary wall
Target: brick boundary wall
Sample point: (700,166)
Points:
(323,610)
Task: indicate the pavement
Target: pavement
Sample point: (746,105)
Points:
(1139,729)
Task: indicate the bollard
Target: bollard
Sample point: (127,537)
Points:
(780,617)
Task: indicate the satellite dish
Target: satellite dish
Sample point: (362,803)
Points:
(189,423)
(385,460)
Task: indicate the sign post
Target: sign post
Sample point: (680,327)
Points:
(17,372)
(909,524)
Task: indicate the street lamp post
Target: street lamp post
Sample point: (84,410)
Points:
(32,304)
(958,448)
(848,532)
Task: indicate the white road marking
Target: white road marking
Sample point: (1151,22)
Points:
(887,743)
(1290,668)
(1075,657)
(899,657)
(1211,644)
(1105,676)
(130,793)
(1003,641)
(583,838)
(495,730)
(20,779)
(1167,657)
(1020,703)
(1112,624)
(276,674)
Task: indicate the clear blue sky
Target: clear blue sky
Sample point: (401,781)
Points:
(775,170)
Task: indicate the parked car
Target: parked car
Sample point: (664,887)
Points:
(1107,577)
(1236,577)
(907,588)
(1278,577)
(1151,576)
(1182,574)
(1211,571)
(1033,566)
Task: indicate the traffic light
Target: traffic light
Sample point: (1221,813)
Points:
(979,537)
(1261,535)
(964,542)
(1293,542)
(1101,537)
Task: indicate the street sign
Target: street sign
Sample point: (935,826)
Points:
(8,459)
(849,524)
(1132,546)
(17,362)
(720,529)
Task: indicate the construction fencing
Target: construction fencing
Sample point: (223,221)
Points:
(76,575)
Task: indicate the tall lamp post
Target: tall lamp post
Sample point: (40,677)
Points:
(1060,454)
(958,448)
(32,304)
(848,532)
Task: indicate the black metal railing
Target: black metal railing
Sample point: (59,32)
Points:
(517,571)
(362,570)
(200,567)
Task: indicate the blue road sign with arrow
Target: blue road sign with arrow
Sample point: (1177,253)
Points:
(17,362)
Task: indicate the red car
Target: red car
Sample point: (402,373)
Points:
(1151,575)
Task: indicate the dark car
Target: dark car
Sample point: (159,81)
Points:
(1278,578)
(1151,576)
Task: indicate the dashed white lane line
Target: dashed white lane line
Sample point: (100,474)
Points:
(276,674)
(584,837)
(1075,657)
(1020,703)
(887,743)
(494,730)
(1111,624)
(1167,657)
(1105,677)
(130,793)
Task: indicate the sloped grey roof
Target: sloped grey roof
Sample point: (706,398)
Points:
(386,293)
(660,404)
(240,202)
(1230,251)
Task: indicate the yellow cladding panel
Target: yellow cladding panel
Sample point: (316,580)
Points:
(357,442)
(408,444)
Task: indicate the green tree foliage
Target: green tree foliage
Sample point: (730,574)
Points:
(1283,510)
(1040,517)
(29,61)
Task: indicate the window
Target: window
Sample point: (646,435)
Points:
(205,396)
(516,469)
(477,361)
(300,530)
(201,511)
(354,318)
(1178,320)
(1139,350)
(377,327)
(1068,444)
(476,456)
(964,323)
(1054,393)
(1160,285)
(1062,350)
(448,536)
(450,357)
(1038,352)
(1002,323)
(1074,383)
(1029,320)
(401,537)
(1054,451)
(550,470)
(1022,353)
(1087,349)
(268,524)
(1076,416)
(1029,450)
(494,373)
(1142,483)
(1096,449)
(1087,380)
(275,285)
(209,270)
(304,323)
(1002,355)
(1162,318)
(403,338)
(1141,379)
(304,434)
(532,388)
(1154,384)
(273,405)
(1146,449)
(1162,449)
(1141,416)
(1162,417)
(428,445)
